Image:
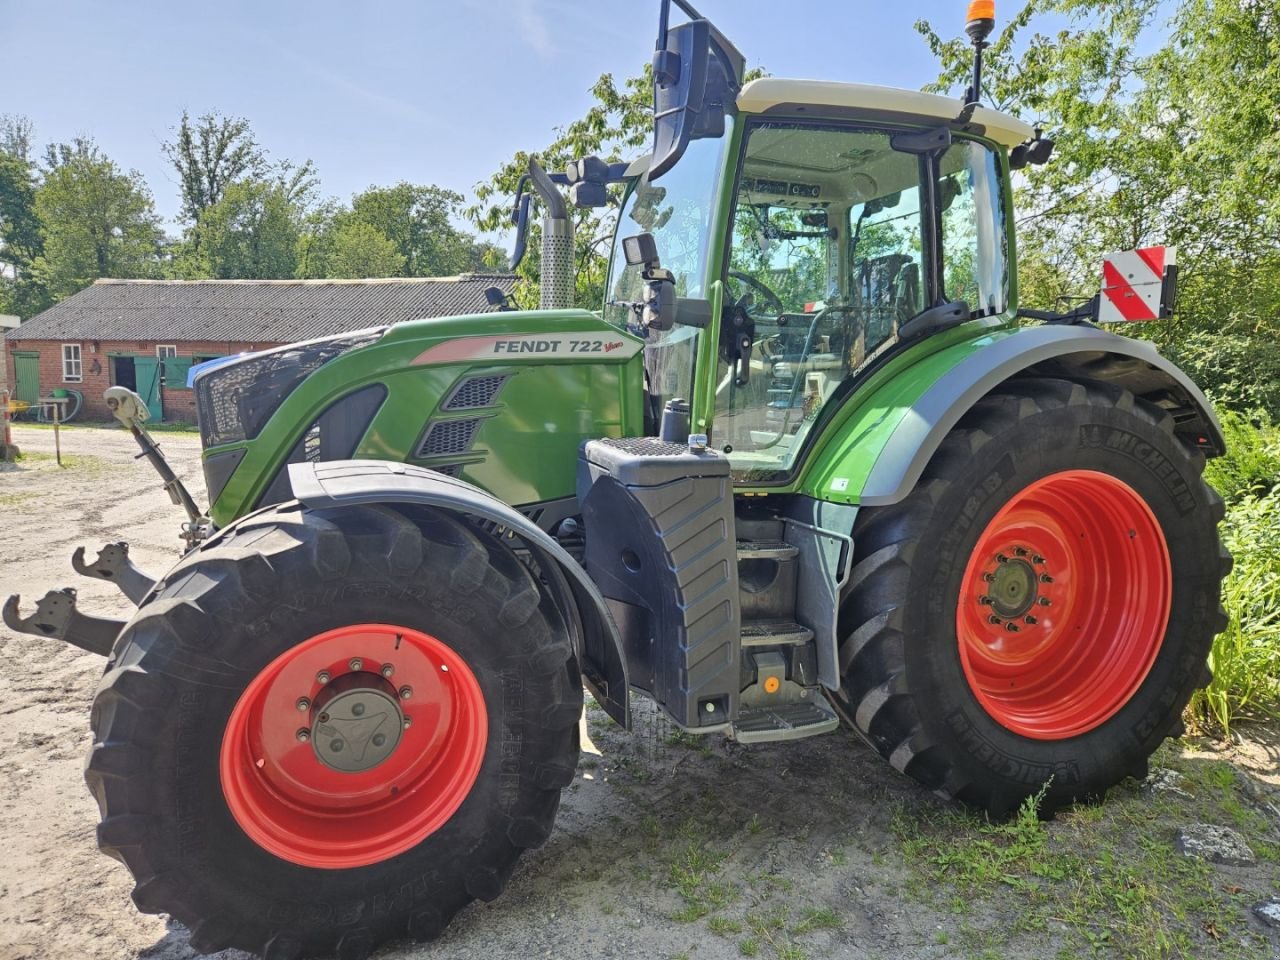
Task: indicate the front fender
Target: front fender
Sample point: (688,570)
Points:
(598,644)
(917,427)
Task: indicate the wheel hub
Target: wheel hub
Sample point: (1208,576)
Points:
(1013,588)
(356,722)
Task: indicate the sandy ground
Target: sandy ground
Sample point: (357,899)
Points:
(767,832)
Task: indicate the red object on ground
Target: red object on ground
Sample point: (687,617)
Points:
(1064,604)
(299,808)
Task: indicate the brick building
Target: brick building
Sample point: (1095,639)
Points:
(145,334)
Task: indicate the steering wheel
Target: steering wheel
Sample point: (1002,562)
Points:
(773,301)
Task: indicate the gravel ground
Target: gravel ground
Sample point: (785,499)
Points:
(665,846)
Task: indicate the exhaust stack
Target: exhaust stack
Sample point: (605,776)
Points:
(557,280)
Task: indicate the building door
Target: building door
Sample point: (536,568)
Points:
(146,371)
(26,369)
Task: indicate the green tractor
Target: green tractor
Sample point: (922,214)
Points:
(804,466)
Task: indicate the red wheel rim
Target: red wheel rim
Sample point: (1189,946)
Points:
(295,804)
(1064,604)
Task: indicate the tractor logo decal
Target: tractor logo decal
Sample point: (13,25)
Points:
(570,346)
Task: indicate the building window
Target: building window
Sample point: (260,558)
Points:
(71,369)
(164,351)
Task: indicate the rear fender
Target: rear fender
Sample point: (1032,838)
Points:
(596,640)
(1064,351)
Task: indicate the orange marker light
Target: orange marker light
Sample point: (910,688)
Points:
(982,10)
(771,684)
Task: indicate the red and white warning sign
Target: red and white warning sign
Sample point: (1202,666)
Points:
(1137,285)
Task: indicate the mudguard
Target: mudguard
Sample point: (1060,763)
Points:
(1064,351)
(345,482)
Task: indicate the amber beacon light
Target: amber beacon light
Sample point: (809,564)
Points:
(981,21)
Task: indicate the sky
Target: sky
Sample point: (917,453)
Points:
(386,90)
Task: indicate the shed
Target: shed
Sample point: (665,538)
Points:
(145,334)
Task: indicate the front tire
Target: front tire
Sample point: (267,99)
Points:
(333,728)
(1040,608)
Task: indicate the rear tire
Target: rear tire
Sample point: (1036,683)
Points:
(1099,662)
(179,737)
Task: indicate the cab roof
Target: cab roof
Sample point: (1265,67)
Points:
(764,94)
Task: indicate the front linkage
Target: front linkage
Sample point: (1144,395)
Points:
(57,616)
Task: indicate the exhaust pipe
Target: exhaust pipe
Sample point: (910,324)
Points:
(557,280)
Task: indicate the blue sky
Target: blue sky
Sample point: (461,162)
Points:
(389,90)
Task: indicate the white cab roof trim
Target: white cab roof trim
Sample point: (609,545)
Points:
(759,95)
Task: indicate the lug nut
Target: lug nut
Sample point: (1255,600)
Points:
(304,704)
(406,693)
(355,663)
(1020,551)
(985,601)
(1045,602)
(408,722)
(1045,578)
(996,620)
(303,735)
(322,677)
(1030,620)
(1011,627)
(387,670)
(1001,558)
(1037,559)
(989,577)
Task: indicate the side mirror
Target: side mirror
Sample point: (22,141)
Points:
(658,309)
(697,74)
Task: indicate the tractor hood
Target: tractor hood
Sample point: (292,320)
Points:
(502,400)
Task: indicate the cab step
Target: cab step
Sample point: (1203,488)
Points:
(771,633)
(766,550)
(786,721)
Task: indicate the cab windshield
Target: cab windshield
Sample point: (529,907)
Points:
(677,210)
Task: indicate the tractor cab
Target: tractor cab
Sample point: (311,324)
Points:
(823,235)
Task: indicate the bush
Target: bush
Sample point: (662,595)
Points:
(1239,372)
(1251,465)
(1246,657)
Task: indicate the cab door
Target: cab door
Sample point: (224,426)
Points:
(841,235)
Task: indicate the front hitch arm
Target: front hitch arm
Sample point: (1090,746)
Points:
(56,618)
(114,566)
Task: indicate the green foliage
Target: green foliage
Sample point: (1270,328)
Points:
(1238,371)
(210,155)
(1251,466)
(418,220)
(21,233)
(616,127)
(98,220)
(252,233)
(362,250)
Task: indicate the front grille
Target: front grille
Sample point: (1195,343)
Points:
(475,392)
(234,401)
(448,437)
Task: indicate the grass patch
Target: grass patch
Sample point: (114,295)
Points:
(1245,659)
(1091,884)
(176,426)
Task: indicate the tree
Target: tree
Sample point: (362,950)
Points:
(99,221)
(361,250)
(21,237)
(615,127)
(16,135)
(1164,115)
(209,156)
(251,233)
(417,218)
